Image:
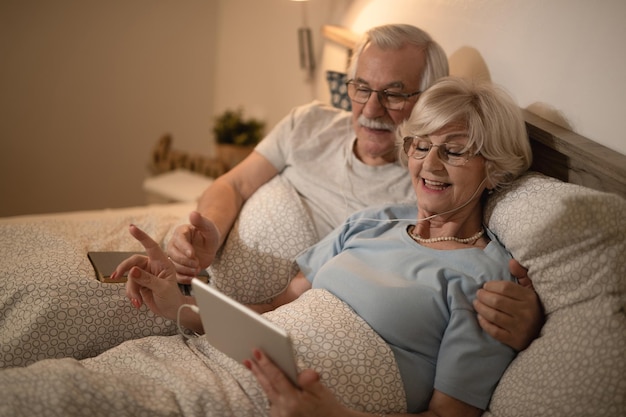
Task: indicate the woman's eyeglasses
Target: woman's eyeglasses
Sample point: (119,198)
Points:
(454,154)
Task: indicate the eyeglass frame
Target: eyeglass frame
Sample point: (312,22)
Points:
(441,151)
(382,95)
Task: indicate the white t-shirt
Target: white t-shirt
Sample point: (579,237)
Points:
(312,148)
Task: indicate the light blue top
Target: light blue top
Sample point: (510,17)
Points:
(418,299)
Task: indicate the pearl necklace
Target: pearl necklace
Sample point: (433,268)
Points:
(420,239)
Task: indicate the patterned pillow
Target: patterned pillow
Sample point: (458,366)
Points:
(338,90)
(256,261)
(572,240)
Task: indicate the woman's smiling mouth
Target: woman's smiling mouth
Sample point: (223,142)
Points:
(434,185)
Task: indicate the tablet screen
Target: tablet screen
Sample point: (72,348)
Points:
(236,330)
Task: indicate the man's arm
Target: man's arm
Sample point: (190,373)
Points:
(222,201)
(193,246)
(510,312)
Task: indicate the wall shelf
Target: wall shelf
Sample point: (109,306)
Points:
(340,35)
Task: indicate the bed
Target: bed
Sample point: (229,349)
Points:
(564,221)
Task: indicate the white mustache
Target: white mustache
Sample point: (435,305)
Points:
(375,124)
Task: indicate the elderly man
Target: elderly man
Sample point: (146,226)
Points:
(340,162)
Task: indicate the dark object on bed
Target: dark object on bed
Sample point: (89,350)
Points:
(104,263)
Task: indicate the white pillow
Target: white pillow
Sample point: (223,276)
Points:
(256,261)
(573,240)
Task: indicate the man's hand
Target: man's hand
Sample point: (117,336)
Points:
(510,312)
(193,247)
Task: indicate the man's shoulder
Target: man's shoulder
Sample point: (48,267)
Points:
(318,124)
(318,110)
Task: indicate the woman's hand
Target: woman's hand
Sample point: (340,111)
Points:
(311,399)
(151,278)
(510,312)
(193,246)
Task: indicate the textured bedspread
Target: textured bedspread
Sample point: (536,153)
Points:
(163,376)
(51,303)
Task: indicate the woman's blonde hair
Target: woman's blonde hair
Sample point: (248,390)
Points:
(494,122)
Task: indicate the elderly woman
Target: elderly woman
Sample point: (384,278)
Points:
(414,281)
(381,313)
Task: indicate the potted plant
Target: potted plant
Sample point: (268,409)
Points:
(236,136)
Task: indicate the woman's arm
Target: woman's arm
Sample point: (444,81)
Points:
(297,286)
(152,281)
(442,405)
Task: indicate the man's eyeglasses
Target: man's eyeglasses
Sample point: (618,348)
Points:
(451,153)
(391,100)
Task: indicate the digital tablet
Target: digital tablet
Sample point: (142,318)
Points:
(236,330)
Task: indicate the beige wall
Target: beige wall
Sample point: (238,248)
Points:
(563,59)
(257,56)
(88,87)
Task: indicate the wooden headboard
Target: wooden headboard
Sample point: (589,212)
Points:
(557,152)
(563,154)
